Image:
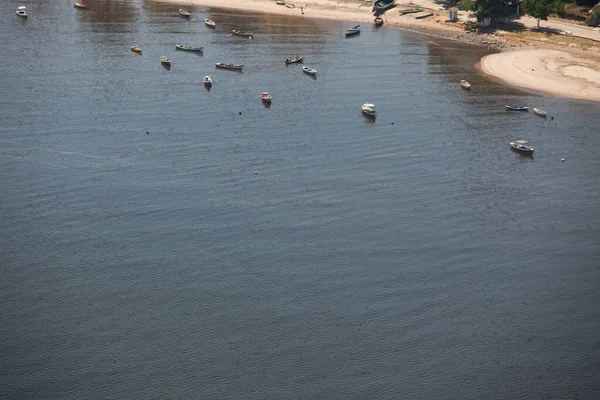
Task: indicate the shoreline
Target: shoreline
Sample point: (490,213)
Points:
(569,71)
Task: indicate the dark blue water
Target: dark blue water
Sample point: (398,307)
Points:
(419,259)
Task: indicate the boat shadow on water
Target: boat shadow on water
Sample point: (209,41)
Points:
(522,157)
(166,66)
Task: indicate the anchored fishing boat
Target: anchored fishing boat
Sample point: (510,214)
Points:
(517,108)
(242,33)
(521,146)
(189,48)
(296,60)
(232,67)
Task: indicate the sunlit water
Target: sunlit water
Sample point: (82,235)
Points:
(299,251)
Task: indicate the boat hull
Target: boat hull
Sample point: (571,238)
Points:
(540,113)
(229,66)
(294,61)
(184,13)
(516,108)
(309,71)
(382,5)
(243,34)
(189,48)
(515,147)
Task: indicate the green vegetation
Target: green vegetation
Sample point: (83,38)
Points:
(538,9)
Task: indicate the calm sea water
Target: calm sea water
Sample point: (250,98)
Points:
(416,257)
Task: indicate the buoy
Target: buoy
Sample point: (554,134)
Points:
(147,133)
(392,122)
(255,172)
(562,159)
(240,113)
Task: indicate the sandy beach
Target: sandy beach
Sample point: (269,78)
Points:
(567,72)
(550,71)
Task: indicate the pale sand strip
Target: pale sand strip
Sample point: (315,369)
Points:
(550,71)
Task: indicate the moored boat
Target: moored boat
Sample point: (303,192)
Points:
(266,97)
(164,60)
(242,33)
(189,48)
(522,146)
(232,67)
(465,84)
(209,23)
(368,109)
(136,49)
(517,108)
(80,5)
(207,81)
(410,10)
(382,5)
(355,30)
(184,13)
(540,112)
(309,71)
(296,60)
(21,12)
(378,21)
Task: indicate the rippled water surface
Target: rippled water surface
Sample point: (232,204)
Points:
(159,240)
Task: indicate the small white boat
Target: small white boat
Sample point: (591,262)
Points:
(521,146)
(266,97)
(21,12)
(465,84)
(369,110)
(540,112)
(209,23)
(165,60)
(207,81)
(310,71)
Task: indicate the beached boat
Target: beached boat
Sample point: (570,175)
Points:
(517,108)
(353,31)
(136,49)
(266,97)
(521,146)
(242,33)
(232,67)
(290,5)
(164,60)
(424,16)
(296,60)
(189,48)
(382,5)
(21,12)
(310,71)
(209,23)
(410,10)
(184,13)
(280,3)
(378,21)
(207,81)
(368,109)
(540,112)
(465,84)
(80,5)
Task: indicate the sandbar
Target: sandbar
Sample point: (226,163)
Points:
(554,72)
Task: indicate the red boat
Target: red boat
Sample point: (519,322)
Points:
(80,5)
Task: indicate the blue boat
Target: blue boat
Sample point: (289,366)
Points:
(517,108)
(353,31)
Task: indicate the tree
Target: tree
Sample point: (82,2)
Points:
(483,8)
(538,9)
